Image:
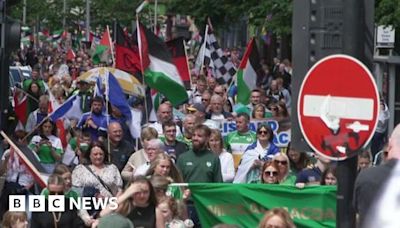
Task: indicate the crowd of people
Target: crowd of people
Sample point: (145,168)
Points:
(183,145)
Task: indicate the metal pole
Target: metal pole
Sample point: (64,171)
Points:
(64,13)
(155,17)
(87,20)
(24,13)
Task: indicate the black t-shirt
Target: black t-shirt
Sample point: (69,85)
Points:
(67,219)
(143,217)
(177,149)
(120,155)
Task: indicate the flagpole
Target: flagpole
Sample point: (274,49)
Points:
(187,63)
(204,50)
(108,114)
(141,65)
(111,46)
(27,94)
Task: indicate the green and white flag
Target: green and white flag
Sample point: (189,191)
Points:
(245,204)
(247,74)
(159,71)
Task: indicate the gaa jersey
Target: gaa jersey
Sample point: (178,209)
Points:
(237,143)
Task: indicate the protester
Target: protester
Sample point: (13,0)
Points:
(34,94)
(270,173)
(64,172)
(139,157)
(329,176)
(207,163)
(120,149)
(201,86)
(312,175)
(66,219)
(285,175)
(163,165)
(91,121)
(164,114)
(238,141)
(217,112)
(255,99)
(98,173)
(260,151)
(276,218)
(152,148)
(199,111)
(14,219)
(258,112)
(139,204)
(188,129)
(364,161)
(216,145)
(47,145)
(36,117)
(298,160)
(18,178)
(173,147)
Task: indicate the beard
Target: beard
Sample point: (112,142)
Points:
(198,146)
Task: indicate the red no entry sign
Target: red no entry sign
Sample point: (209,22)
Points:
(338,106)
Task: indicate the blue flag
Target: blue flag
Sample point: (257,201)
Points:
(63,109)
(117,97)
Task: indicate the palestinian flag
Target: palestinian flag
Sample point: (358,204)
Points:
(177,49)
(126,54)
(70,54)
(159,71)
(103,49)
(247,74)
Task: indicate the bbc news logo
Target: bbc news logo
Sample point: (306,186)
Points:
(57,203)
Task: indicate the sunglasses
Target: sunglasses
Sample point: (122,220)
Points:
(281,162)
(271,173)
(263,132)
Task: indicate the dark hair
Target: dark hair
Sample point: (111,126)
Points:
(203,128)
(330,169)
(269,130)
(102,147)
(243,114)
(143,179)
(96,99)
(168,124)
(53,131)
(282,105)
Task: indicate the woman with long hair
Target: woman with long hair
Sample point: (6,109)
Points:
(139,203)
(329,177)
(216,145)
(256,154)
(285,175)
(164,166)
(47,145)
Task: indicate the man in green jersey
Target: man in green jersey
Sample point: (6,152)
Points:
(200,164)
(237,141)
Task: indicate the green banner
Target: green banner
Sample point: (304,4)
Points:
(245,204)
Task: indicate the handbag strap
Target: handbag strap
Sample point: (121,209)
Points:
(99,179)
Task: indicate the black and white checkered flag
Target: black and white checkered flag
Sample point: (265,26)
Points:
(211,55)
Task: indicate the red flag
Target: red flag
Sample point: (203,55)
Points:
(53,105)
(105,39)
(70,54)
(21,107)
(177,49)
(126,54)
